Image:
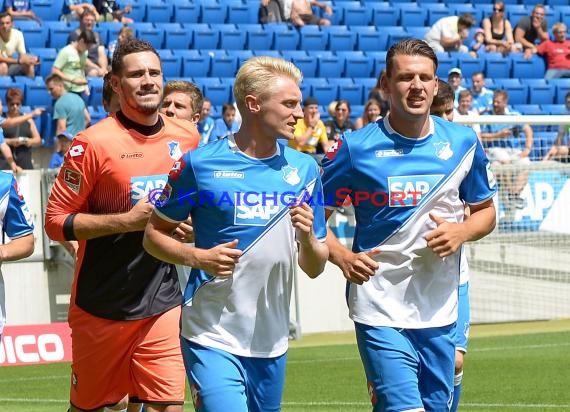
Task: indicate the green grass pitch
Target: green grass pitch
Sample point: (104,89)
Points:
(515,367)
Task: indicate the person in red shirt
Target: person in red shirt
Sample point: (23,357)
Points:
(557,53)
(125,309)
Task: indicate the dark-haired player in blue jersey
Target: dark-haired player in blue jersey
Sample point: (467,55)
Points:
(244,194)
(403,270)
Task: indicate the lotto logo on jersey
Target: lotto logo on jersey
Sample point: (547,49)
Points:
(141,186)
(77,151)
(407,191)
(255,209)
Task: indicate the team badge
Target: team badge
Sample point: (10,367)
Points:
(17,189)
(443,150)
(331,153)
(176,170)
(77,151)
(174,150)
(291,175)
(72,178)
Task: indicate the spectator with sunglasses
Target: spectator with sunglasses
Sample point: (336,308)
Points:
(498,31)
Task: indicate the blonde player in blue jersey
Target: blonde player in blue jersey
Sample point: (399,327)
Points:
(442,106)
(408,176)
(245,196)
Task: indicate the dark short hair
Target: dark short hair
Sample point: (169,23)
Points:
(14,93)
(87,36)
(445,94)
(410,47)
(189,89)
(130,46)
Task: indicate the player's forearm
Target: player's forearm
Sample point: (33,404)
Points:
(18,248)
(86,226)
(159,242)
(336,249)
(481,222)
(313,256)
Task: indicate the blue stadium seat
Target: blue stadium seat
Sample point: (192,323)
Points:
(378,59)
(194,63)
(186,11)
(95,91)
(47,56)
(307,64)
(384,14)
(528,109)
(283,37)
(355,64)
(219,93)
(355,13)
(411,14)
(158,11)
(312,38)
(240,13)
(527,68)
(112,28)
(154,35)
(496,65)
(447,62)
(518,92)
(213,12)
(97,113)
(58,33)
(177,38)
(223,65)
(322,90)
(230,37)
(349,90)
(543,141)
(339,38)
(556,109)
(241,55)
(394,38)
(539,91)
(47,9)
(460,8)
(417,32)
(138,11)
(171,63)
(436,11)
(203,37)
(328,63)
(468,64)
(368,83)
(7,82)
(562,87)
(257,38)
(551,15)
(34,34)
(368,38)
(37,95)
(272,53)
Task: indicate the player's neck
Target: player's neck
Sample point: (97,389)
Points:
(411,127)
(256,147)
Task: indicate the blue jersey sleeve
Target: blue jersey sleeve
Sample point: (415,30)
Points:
(181,191)
(336,173)
(319,222)
(479,185)
(18,219)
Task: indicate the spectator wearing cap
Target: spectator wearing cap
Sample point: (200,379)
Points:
(454,79)
(448,33)
(482,97)
(498,31)
(64,140)
(556,52)
(310,134)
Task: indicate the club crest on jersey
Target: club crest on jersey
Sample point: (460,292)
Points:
(77,151)
(255,209)
(72,178)
(142,186)
(331,153)
(443,150)
(17,189)
(174,150)
(291,175)
(176,170)
(408,191)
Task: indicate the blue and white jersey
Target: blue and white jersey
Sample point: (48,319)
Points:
(205,128)
(516,140)
(233,196)
(483,101)
(16,221)
(394,183)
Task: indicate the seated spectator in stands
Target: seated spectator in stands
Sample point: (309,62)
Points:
(302,13)
(14,60)
(69,111)
(560,149)
(273,11)
(372,110)
(206,123)
(64,140)
(182,100)
(442,104)
(557,53)
(340,122)
(227,125)
(109,98)
(464,108)
(498,31)
(310,135)
(454,79)
(21,136)
(71,60)
(377,94)
(504,145)
(529,29)
(97,62)
(477,46)
(448,33)
(109,10)
(482,97)
(73,9)
(124,34)
(20,9)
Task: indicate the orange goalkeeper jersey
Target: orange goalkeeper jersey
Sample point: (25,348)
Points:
(107,169)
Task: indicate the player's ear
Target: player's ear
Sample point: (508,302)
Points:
(252,103)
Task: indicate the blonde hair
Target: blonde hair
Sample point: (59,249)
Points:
(257,74)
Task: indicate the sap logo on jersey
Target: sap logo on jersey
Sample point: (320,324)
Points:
(255,209)
(406,191)
(141,186)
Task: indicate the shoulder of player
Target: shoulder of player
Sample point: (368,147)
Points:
(180,127)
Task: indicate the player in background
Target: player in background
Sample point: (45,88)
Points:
(403,269)
(442,106)
(183,100)
(125,304)
(235,322)
(16,224)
